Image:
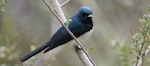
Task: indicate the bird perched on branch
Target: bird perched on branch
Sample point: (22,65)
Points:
(80,24)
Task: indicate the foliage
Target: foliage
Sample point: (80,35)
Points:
(140,47)
(8,42)
(2,3)
(142,39)
(123,53)
(8,45)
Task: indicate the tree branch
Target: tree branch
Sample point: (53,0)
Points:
(56,9)
(82,56)
(67,1)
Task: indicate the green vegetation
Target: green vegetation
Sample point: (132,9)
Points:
(142,40)
(128,53)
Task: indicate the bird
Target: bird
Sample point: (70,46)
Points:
(81,25)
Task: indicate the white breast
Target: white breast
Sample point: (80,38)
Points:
(82,38)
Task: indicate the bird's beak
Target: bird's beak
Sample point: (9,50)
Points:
(90,15)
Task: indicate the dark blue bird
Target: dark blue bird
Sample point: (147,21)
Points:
(79,24)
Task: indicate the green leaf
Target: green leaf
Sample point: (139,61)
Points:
(149,7)
(32,47)
(68,22)
(90,49)
(145,18)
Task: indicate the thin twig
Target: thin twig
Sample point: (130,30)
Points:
(142,43)
(67,1)
(141,60)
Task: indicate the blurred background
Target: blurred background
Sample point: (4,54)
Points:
(27,24)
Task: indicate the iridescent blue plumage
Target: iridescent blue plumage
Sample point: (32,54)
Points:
(80,24)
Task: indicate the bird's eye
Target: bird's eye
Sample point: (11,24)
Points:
(84,14)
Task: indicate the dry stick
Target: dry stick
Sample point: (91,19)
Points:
(82,56)
(67,1)
(60,20)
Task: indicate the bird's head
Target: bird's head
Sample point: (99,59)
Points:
(85,13)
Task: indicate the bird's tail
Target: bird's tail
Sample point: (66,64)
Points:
(34,52)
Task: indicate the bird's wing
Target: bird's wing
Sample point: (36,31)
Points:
(59,38)
(62,36)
